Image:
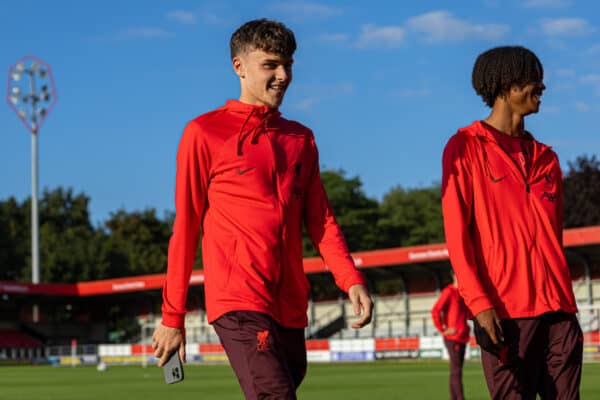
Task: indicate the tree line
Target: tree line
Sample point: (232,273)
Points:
(72,249)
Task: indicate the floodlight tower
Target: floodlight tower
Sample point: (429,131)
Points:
(32,94)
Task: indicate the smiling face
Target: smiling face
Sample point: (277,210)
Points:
(264,77)
(525,100)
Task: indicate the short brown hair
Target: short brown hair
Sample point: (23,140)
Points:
(263,34)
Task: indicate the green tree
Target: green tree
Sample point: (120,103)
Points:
(411,217)
(355,212)
(15,240)
(69,246)
(136,243)
(581,191)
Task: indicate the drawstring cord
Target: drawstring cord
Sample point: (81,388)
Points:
(239,138)
(255,131)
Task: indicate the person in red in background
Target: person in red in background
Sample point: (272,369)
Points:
(503,219)
(450,314)
(247,181)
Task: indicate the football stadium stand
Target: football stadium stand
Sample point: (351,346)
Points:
(405,282)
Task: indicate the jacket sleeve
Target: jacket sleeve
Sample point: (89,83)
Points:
(559,206)
(438,308)
(457,209)
(190,199)
(325,232)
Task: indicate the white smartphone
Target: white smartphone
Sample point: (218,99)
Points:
(173,369)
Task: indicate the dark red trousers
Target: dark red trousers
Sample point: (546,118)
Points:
(268,359)
(456,352)
(545,356)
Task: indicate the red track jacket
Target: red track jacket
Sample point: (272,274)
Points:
(249,179)
(504,229)
(450,311)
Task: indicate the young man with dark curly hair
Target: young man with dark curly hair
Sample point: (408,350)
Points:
(502,206)
(247,180)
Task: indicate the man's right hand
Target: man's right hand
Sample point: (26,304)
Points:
(489,321)
(166,340)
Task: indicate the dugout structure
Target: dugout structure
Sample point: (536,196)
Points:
(405,282)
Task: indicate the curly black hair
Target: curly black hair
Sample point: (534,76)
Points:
(263,34)
(498,69)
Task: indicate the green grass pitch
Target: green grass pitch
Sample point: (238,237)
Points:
(373,381)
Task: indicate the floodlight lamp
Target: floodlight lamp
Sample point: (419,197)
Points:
(42,73)
(16,90)
(20,67)
(14,100)
(16,76)
(21,113)
(35,67)
(45,96)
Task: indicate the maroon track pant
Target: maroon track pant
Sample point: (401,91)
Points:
(545,355)
(268,359)
(456,352)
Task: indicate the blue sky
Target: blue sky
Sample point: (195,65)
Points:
(383,84)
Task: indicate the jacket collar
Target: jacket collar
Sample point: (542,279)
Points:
(486,131)
(483,132)
(247,109)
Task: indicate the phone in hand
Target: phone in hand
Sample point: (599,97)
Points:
(173,369)
(485,341)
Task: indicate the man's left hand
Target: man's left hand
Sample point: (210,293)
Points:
(449,331)
(362,304)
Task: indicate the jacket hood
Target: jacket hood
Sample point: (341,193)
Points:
(262,113)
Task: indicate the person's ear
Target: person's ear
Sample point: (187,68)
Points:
(238,66)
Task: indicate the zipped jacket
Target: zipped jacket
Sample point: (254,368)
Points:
(450,311)
(504,227)
(248,179)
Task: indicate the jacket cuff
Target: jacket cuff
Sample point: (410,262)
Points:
(479,304)
(358,279)
(173,320)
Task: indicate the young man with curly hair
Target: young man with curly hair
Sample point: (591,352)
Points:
(247,180)
(502,206)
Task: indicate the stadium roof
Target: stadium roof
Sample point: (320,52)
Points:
(582,241)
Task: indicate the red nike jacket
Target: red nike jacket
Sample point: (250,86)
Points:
(248,179)
(450,311)
(504,228)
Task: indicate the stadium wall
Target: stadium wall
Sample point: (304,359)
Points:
(325,350)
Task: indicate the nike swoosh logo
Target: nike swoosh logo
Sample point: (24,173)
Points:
(243,171)
(496,180)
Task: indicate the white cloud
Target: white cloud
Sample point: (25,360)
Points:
(302,10)
(381,36)
(182,17)
(143,33)
(412,93)
(581,106)
(438,26)
(306,104)
(550,109)
(595,49)
(591,78)
(565,27)
(334,37)
(546,3)
(210,18)
(327,92)
(565,73)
